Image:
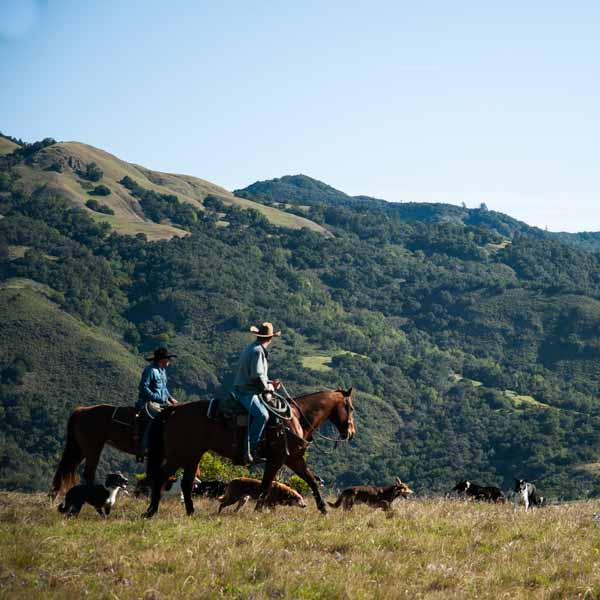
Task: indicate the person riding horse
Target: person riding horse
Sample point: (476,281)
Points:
(252,381)
(152,398)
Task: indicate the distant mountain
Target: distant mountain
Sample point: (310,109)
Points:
(303,192)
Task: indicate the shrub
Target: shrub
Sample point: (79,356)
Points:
(97,207)
(100,190)
(92,172)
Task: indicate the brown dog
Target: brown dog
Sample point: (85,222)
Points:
(242,489)
(379,497)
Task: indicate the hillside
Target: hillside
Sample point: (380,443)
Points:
(304,195)
(51,362)
(472,345)
(7,146)
(60,169)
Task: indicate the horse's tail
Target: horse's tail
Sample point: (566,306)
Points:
(156,446)
(72,455)
(337,503)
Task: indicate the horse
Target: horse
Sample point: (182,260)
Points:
(183,433)
(89,428)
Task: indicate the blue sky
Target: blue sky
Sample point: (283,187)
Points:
(408,101)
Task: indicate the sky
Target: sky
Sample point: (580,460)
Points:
(429,101)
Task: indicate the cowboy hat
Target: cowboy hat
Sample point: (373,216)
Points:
(160,354)
(264,331)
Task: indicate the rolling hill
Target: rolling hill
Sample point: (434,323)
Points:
(471,339)
(59,168)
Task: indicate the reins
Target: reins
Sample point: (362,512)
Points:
(314,430)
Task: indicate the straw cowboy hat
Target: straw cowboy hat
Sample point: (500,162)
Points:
(264,331)
(159,354)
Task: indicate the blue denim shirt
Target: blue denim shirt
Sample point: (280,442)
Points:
(153,386)
(253,369)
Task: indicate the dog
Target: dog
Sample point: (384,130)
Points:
(211,488)
(242,489)
(101,497)
(378,497)
(526,493)
(479,492)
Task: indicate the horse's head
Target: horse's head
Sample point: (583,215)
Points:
(342,415)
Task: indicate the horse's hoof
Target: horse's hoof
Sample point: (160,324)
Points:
(190,513)
(148,514)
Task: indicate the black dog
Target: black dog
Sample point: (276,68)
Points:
(479,492)
(212,488)
(101,497)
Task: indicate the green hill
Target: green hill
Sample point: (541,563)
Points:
(51,362)
(470,339)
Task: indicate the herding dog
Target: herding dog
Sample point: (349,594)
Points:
(379,497)
(242,489)
(526,493)
(101,497)
(479,492)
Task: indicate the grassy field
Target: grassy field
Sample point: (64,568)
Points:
(422,548)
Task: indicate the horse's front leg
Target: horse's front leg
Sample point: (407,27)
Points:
(271,470)
(299,466)
(187,484)
(157,483)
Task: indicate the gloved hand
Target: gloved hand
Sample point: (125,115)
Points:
(154,407)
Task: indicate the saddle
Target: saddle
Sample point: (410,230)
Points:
(229,413)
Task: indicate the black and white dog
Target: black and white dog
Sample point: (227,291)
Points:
(479,492)
(527,494)
(101,497)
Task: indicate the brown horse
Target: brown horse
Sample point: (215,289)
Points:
(89,428)
(183,433)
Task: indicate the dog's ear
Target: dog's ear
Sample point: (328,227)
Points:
(398,481)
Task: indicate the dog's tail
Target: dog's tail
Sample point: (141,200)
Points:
(337,503)
(72,455)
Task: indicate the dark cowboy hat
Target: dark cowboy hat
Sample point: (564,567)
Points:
(159,354)
(265,331)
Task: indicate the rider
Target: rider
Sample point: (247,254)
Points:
(153,396)
(251,381)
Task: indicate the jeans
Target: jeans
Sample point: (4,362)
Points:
(259,416)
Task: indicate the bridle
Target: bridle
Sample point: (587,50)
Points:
(337,441)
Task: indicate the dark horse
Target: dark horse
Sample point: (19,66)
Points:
(183,433)
(89,428)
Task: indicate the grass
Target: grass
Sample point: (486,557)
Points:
(521,400)
(317,363)
(421,549)
(6,146)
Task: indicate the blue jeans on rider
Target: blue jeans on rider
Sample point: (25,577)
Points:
(259,416)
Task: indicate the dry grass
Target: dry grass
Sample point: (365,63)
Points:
(128,217)
(423,548)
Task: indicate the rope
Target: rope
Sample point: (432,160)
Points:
(282,410)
